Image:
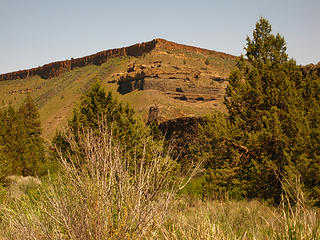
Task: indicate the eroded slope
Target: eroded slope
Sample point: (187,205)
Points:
(181,80)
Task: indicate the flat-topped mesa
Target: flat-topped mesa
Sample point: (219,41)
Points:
(56,68)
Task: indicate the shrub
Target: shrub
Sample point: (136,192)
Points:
(110,196)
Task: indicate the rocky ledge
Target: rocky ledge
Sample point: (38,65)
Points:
(182,83)
(56,68)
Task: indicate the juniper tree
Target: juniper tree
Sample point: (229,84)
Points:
(21,145)
(97,106)
(33,153)
(10,140)
(268,108)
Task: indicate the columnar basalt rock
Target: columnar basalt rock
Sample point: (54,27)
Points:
(56,68)
(182,83)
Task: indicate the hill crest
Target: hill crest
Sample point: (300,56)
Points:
(54,69)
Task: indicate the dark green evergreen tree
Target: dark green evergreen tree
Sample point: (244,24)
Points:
(21,145)
(269,115)
(33,154)
(97,106)
(216,144)
(4,168)
(263,101)
(11,140)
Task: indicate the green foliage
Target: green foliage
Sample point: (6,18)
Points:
(97,106)
(265,48)
(272,130)
(222,153)
(4,168)
(155,131)
(3,192)
(33,154)
(21,146)
(194,189)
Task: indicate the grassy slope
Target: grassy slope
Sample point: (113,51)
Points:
(57,96)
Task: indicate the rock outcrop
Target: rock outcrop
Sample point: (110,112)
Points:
(182,83)
(56,68)
(182,133)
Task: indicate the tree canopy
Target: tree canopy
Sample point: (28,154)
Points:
(272,120)
(97,106)
(21,146)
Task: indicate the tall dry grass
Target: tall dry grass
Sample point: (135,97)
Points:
(293,219)
(110,196)
(237,220)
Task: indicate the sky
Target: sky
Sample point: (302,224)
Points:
(37,32)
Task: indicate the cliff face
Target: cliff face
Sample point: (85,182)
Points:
(56,68)
(178,82)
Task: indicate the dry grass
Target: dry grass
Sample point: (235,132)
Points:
(83,206)
(109,197)
(238,220)
(292,219)
(19,185)
(113,197)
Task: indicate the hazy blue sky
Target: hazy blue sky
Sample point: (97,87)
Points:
(36,32)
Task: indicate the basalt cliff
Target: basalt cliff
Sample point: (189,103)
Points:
(56,68)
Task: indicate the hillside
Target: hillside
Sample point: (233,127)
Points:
(181,80)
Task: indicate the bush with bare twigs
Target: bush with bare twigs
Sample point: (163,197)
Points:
(109,197)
